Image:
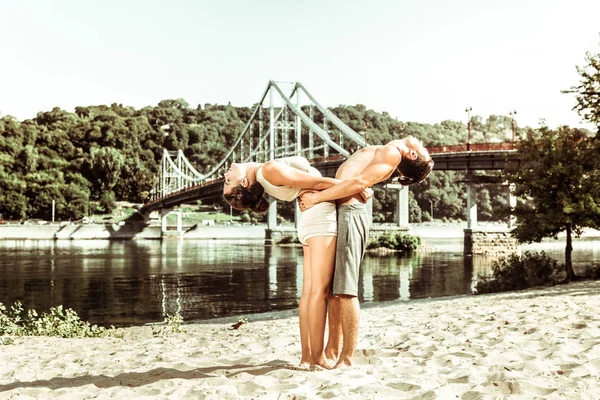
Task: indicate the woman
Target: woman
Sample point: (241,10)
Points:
(244,188)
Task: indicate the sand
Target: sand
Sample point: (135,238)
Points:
(540,343)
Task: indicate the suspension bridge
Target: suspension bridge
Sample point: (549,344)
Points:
(289,121)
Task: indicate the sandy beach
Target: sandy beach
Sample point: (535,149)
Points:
(535,344)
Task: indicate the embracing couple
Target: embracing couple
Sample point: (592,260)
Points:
(333,230)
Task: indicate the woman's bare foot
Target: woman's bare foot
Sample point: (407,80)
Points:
(323,362)
(331,355)
(305,365)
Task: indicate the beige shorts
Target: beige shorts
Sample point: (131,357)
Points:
(319,220)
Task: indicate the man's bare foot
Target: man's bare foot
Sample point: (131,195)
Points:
(342,364)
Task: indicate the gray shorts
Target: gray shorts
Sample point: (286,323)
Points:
(353,232)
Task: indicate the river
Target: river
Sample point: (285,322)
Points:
(134,282)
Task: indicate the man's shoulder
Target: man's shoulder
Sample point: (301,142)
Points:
(390,152)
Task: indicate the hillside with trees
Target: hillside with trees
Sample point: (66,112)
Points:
(89,159)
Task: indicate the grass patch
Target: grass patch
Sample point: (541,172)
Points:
(171,324)
(59,322)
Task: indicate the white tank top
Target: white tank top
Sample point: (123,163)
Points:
(285,193)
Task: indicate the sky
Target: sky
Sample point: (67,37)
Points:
(424,61)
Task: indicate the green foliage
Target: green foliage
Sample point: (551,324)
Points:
(395,241)
(88,160)
(557,185)
(587,93)
(245,217)
(517,272)
(442,194)
(14,321)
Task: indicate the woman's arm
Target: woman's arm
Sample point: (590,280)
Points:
(281,174)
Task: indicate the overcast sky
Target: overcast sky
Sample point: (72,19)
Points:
(422,61)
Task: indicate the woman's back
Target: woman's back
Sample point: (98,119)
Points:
(286,193)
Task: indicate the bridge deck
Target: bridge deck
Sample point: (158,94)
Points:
(481,156)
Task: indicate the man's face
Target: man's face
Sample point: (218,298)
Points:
(415,145)
(233,177)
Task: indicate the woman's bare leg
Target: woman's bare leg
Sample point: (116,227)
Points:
(322,260)
(306,359)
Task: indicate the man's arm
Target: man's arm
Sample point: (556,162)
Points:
(383,164)
(280,174)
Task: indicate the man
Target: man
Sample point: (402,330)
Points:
(366,167)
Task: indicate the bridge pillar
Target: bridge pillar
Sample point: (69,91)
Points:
(179,221)
(471,207)
(271,221)
(512,201)
(163,218)
(402,206)
(401,203)
(296,215)
(272,213)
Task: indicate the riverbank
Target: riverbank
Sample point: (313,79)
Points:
(531,344)
(427,232)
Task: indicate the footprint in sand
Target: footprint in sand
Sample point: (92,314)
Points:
(403,386)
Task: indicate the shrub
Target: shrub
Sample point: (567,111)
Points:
(287,239)
(592,272)
(520,272)
(396,241)
(171,324)
(14,321)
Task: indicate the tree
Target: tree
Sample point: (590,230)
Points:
(588,90)
(557,186)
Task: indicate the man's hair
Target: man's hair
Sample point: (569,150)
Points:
(248,198)
(414,171)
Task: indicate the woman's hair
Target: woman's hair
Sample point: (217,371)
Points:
(414,171)
(251,198)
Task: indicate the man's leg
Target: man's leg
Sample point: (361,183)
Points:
(353,231)
(350,318)
(334,341)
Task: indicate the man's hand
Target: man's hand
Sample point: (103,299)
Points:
(366,194)
(306,200)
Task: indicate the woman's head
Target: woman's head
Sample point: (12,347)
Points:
(240,193)
(251,198)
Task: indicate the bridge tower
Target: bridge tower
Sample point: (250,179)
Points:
(286,121)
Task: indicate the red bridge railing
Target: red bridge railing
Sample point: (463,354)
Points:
(461,148)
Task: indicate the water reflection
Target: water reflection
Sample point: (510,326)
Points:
(134,282)
(421,275)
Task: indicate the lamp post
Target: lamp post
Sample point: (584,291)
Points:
(431,203)
(468,111)
(512,118)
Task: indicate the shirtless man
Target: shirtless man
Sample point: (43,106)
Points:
(368,166)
